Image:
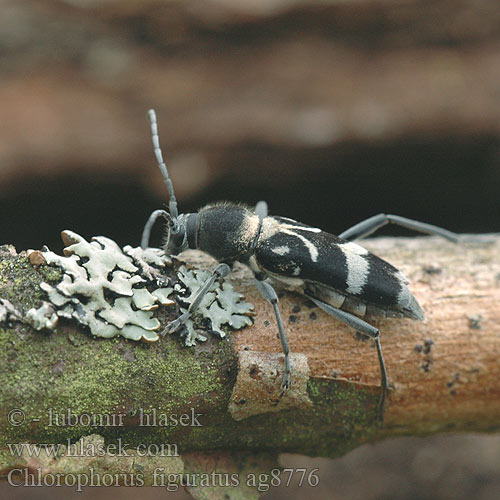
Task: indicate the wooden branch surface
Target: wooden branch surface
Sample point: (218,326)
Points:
(445,370)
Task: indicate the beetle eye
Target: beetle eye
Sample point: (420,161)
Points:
(176,237)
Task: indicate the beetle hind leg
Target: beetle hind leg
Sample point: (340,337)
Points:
(369,226)
(370,331)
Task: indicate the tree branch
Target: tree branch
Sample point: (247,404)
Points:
(444,370)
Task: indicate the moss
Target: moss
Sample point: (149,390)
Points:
(20,281)
(69,370)
(100,377)
(97,378)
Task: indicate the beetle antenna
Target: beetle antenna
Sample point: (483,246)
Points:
(172,203)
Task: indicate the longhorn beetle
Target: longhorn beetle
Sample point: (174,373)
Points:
(339,276)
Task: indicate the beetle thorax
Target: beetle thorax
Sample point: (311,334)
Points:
(226,231)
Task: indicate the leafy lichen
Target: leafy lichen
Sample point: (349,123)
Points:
(101,289)
(44,317)
(104,288)
(222,305)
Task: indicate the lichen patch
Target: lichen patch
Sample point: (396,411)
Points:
(222,305)
(101,290)
(104,288)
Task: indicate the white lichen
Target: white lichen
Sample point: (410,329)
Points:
(104,288)
(8,312)
(44,317)
(100,287)
(222,305)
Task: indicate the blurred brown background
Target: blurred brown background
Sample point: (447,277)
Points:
(330,110)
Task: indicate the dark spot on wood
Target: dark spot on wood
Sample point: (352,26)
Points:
(433,269)
(296,309)
(426,365)
(428,345)
(242,401)
(418,348)
(475,322)
(313,316)
(254,371)
(292,318)
(454,380)
(266,323)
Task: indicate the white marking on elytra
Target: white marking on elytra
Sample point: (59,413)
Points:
(354,247)
(271,226)
(312,249)
(281,250)
(357,266)
(301,228)
(296,271)
(310,229)
(404,296)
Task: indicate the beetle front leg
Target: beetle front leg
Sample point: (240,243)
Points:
(221,271)
(268,292)
(146,232)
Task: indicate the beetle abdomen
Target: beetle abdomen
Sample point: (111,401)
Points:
(335,271)
(360,307)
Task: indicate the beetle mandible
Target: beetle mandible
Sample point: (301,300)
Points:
(339,276)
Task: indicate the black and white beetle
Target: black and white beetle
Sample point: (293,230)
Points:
(339,276)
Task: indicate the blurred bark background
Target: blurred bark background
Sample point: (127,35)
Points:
(330,110)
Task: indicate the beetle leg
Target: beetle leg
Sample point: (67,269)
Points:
(261,209)
(268,292)
(221,271)
(362,326)
(146,232)
(369,226)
